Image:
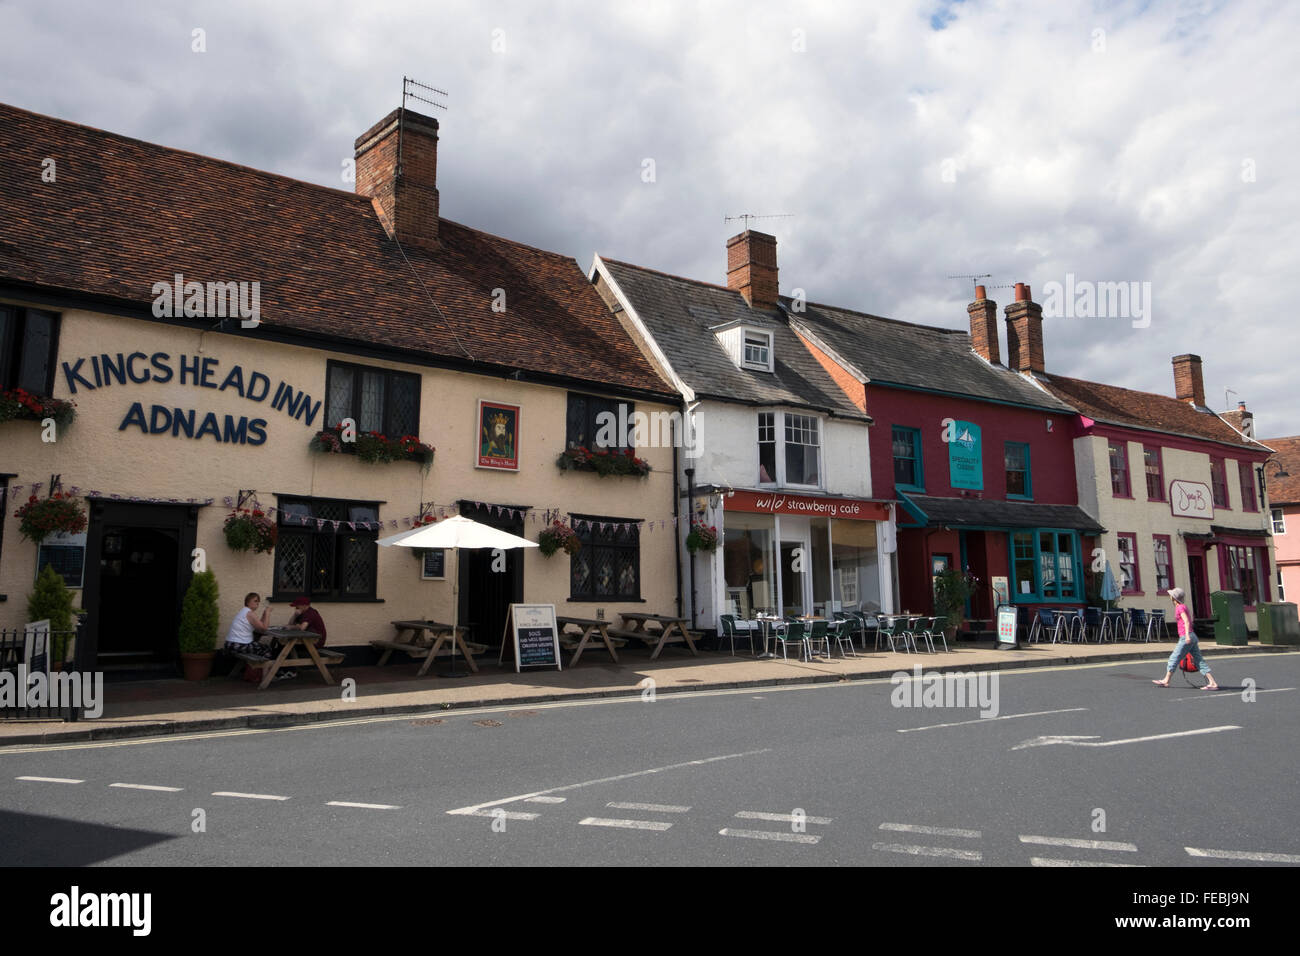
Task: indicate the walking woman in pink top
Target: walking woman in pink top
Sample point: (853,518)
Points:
(1186,643)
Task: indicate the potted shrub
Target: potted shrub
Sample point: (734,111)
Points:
(200,621)
(250,530)
(51,600)
(558,535)
(952,588)
(702,538)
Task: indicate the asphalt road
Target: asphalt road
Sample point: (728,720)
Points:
(830,774)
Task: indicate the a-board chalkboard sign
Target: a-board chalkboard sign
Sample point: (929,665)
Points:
(534,636)
(1008,622)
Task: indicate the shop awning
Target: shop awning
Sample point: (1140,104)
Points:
(979,513)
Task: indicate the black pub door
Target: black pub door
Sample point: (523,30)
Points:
(485,594)
(137,568)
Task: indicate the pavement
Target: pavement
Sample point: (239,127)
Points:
(174,706)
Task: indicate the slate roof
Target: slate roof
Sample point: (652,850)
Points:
(681,314)
(123,214)
(1147,410)
(988,513)
(1284,491)
(890,352)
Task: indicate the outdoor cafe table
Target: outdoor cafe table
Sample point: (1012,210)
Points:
(672,630)
(411,637)
(292,638)
(588,626)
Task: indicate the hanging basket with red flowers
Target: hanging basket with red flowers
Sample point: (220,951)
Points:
(558,535)
(46,516)
(603,462)
(702,538)
(250,529)
(20,403)
(372,447)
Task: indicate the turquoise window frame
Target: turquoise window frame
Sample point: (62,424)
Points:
(1029,471)
(919,458)
(1035,595)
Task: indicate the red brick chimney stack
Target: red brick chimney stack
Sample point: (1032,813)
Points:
(407,194)
(1189,386)
(983,314)
(1025,332)
(751,268)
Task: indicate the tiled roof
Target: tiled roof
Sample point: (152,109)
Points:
(1284,491)
(123,214)
(890,352)
(988,513)
(1113,405)
(680,314)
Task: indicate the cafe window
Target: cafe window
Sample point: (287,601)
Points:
(766,448)
(325,550)
(28,340)
(1243,566)
(593,422)
(1155,468)
(908,472)
(1164,562)
(1279,522)
(1130,572)
(1044,565)
(1119,483)
(608,565)
(1219,482)
(1246,476)
(377,399)
(1016,456)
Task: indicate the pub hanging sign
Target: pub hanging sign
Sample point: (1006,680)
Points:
(88,374)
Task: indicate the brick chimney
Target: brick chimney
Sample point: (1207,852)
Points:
(405,188)
(1241,419)
(1025,332)
(984,326)
(1188,384)
(751,268)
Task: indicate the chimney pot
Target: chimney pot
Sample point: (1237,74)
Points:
(979,292)
(751,268)
(983,315)
(1025,333)
(1022,292)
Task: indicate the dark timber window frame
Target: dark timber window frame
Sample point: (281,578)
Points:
(15,329)
(389,426)
(337,543)
(596,544)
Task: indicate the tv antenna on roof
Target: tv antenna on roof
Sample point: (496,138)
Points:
(973,282)
(408,92)
(747,216)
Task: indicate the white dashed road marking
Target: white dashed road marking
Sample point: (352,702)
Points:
(624,824)
(770,835)
(146,786)
(248,796)
(780,817)
(649,807)
(1080,844)
(989,720)
(1049,861)
(932,831)
(545,799)
(498,814)
(1084,742)
(49,779)
(973,856)
(1230,695)
(1243,855)
(363,806)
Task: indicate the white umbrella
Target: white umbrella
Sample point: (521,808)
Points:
(453,534)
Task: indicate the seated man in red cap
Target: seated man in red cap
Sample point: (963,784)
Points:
(308,618)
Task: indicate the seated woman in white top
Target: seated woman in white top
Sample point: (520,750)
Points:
(241,637)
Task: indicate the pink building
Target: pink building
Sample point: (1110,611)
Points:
(1282,476)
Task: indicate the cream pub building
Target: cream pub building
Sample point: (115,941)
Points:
(369,306)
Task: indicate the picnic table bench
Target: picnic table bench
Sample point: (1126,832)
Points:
(424,640)
(672,630)
(292,638)
(589,627)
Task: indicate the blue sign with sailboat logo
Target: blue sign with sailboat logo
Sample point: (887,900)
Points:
(965,457)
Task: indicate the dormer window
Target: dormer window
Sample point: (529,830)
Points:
(758,350)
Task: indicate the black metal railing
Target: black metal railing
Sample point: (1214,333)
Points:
(32,684)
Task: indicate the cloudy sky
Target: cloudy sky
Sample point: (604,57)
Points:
(1140,142)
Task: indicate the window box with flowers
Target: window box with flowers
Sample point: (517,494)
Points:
(250,530)
(559,536)
(603,462)
(21,404)
(41,517)
(702,538)
(372,447)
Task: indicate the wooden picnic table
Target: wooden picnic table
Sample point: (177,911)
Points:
(588,626)
(424,639)
(292,638)
(672,630)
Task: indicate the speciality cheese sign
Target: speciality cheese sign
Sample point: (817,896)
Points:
(104,370)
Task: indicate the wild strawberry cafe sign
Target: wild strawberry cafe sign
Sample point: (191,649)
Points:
(763,503)
(123,369)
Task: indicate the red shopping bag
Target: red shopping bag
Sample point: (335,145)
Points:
(1188,663)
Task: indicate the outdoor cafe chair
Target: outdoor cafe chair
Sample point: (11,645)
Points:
(1137,622)
(920,627)
(935,629)
(1092,622)
(729,632)
(819,636)
(1112,623)
(844,634)
(894,629)
(1156,622)
(794,633)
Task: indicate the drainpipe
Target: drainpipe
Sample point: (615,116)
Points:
(690,511)
(677,549)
